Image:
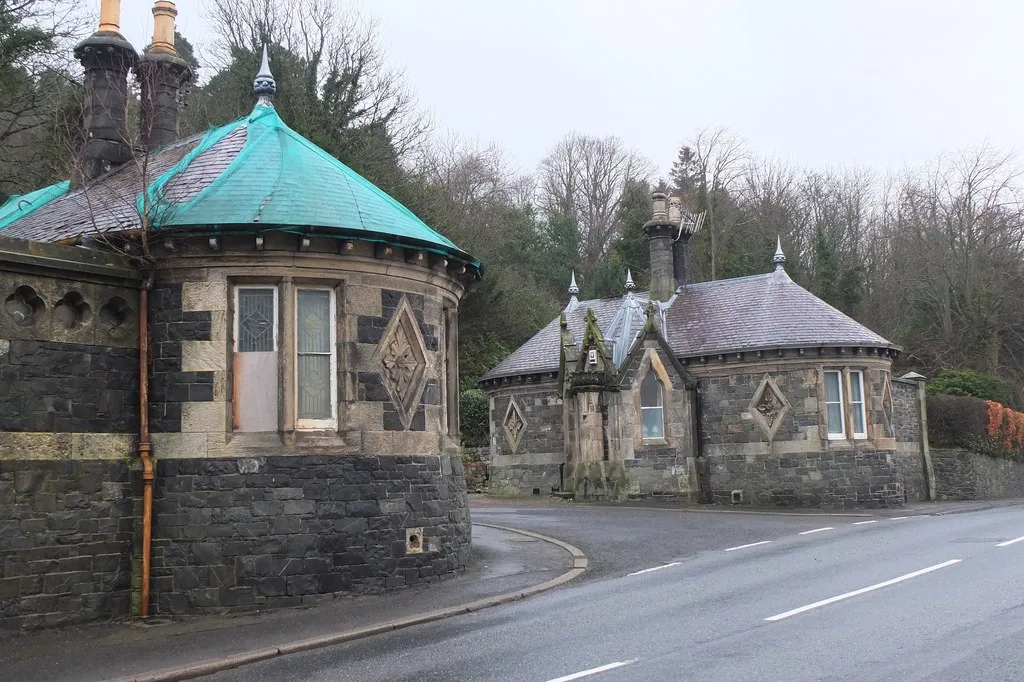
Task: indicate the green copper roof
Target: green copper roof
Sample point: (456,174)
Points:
(279,178)
(20,205)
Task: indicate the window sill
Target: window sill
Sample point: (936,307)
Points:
(653,441)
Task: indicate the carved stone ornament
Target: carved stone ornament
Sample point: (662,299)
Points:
(888,407)
(403,362)
(514,424)
(769,407)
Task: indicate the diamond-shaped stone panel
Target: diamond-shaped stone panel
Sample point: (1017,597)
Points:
(768,407)
(403,361)
(514,424)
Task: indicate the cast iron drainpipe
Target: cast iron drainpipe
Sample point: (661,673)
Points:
(145,449)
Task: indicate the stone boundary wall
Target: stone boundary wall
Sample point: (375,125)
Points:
(276,531)
(837,479)
(964,475)
(65,541)
(68,422)
(906,411)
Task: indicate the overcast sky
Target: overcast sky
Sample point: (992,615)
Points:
(878,83)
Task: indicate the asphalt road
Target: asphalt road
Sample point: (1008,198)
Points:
(685,596)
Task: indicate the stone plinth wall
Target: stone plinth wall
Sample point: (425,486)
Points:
(834,479)
(65,542)
(517,480)
(275,531)
(964,475)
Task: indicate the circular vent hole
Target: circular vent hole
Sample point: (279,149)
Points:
(24,306)
(71,311)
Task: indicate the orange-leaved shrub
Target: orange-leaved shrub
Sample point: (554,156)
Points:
(983,426)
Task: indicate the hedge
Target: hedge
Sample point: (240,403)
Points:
(979,425)
(474,417)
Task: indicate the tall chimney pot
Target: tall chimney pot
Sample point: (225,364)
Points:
(110,17)
(106,57)
(660,232)
(161,75)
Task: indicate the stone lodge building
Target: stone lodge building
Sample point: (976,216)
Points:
(228,367)
(740,391)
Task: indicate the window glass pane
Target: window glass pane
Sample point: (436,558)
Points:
(832,394)
(314,322)
(314,387)
(835,419)
(652,426)
(857,402)
(313,351)
(256,319)
(650,391)
(856,393)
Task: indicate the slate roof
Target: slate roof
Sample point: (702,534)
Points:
(540,353)
(760,312)
(255,171)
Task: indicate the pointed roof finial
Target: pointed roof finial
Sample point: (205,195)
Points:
(630,286)
(573,292)
(265,86)
(780,258)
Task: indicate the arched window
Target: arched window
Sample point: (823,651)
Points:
(652,412)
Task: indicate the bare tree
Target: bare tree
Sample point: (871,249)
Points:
(343,68)
(585,179)
(38,79)
(720,159)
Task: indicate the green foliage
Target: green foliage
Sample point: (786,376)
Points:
(474,417)
(967,382)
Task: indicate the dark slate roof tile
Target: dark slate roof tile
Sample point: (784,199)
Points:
(109,202)
(760,312)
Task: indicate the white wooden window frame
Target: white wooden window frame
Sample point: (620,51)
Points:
(858,406)
(315,424)
(840,435)
(277,312)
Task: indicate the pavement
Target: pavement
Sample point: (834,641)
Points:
(507,565)
(661,578)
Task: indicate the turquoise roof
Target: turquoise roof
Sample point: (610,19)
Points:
(20,205)
(279,178)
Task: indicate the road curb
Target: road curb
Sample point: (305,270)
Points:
(212,666)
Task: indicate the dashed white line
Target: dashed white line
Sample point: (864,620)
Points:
(752,544)
(816,530)
(847,595)
(593,671)
(864,523)
(656,568)
(1011,542)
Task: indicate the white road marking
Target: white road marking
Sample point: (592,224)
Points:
(594,671)
(752,544)
(915,516)
(878,586)
(862,523)
(816,530)
(1011,542)
(656,568)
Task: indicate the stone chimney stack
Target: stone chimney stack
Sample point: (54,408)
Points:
(107,58)
(660,232)
(161,74)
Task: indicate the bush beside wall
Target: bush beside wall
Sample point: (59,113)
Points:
(982,426)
